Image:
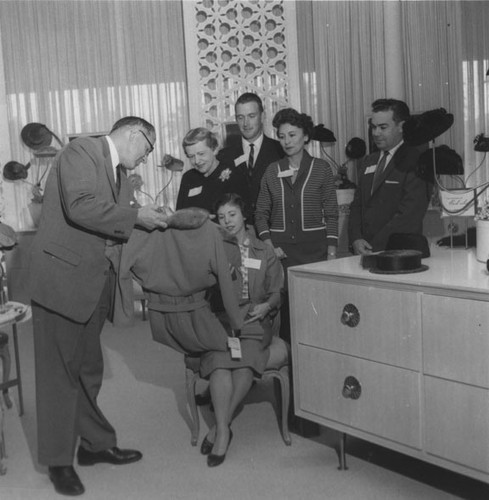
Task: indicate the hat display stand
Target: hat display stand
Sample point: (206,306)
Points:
(38,138)
(425,128)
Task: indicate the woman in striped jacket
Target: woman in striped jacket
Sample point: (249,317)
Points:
(297,211)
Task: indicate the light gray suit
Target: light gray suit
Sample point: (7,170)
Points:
(84,220)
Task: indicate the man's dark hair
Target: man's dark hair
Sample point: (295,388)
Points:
(400,110)
(131,121)
(249,97)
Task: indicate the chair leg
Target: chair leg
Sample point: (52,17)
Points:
(285,385)
(143,308)
(6,363)
(190,382)
(342,465)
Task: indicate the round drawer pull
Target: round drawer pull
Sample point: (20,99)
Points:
(351,388)
(350,316)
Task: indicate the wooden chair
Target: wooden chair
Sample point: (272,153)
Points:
(139,295)
(277,369)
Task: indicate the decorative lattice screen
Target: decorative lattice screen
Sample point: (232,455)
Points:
(235,47)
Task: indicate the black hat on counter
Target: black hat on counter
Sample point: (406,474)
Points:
(409,241)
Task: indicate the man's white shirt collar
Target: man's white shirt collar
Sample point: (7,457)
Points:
(114,155)
(257,143)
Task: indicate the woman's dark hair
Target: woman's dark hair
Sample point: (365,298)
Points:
(296,119)
(233,199)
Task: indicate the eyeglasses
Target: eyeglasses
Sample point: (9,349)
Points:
(151,147)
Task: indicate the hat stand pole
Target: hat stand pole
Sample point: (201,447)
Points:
(432,146)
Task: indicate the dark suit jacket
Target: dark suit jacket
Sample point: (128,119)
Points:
(83,222)
(270,151)
(398,205)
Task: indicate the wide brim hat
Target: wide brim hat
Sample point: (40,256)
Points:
(394,262)
(447,162)
(423,128)
(322,134)
(36,136)
(8,238)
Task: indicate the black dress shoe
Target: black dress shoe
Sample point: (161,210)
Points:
(206,446)
(113,456)
(66,480)
(215,460)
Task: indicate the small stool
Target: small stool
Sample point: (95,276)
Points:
(6,363)
(14,313)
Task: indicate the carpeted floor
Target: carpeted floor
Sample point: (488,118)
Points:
(143,396)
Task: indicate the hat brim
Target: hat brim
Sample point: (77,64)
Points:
(36,136)
(420,269)
(426,127)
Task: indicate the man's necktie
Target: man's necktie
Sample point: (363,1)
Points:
(118,178)
(379,170)
(251,159)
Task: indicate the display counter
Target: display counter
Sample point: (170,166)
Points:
(399,360)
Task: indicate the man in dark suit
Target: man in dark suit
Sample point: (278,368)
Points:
(391,197)
(86,216)
(254,151)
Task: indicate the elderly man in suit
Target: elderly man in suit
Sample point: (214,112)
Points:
(391,197)
(86,216)
(255,151)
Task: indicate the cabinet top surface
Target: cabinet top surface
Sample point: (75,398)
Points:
(450,269)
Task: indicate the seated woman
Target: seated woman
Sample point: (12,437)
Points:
(259,284)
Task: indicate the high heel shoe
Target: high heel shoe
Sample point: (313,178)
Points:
(206,446)
(215,460)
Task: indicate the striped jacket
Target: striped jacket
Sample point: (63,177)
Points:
(306,210)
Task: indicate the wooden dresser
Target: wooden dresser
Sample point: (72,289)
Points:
(399,360)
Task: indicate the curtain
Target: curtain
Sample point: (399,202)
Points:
(78,66)
(445,51)
(341,54)
(433,61)
(475,53)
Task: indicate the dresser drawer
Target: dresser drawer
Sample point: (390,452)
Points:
(369,322)
(456,339)
(458,432)
(387,406)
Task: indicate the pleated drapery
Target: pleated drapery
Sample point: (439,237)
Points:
(79,66)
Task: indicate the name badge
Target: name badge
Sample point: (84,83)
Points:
(371,169)
(235,347)
(240,160)
(286,173)
(195,191)
(252,263)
